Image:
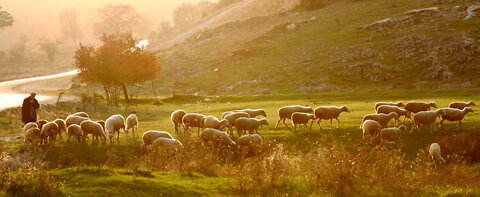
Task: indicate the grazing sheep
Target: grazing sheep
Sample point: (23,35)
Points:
(101,122)
(416,107)
(383,119)
(250,142)
(49,132)
(398,104)
(168,144)
(436,153)
(149,136)
(113,124)
(371,129)
(386,109)
(74,131)
(461,105)
(287,111)
(302,118)
(329,113)
(227,113)
(74,120)
(249,124)
(253,112)
(392,134)
(217,138)
(213,122)
(132,123)
(426,118)
(40,123)
(32,137)
(29,125)
(176,119)
(81,114)
(193,120)
(62,127)
(232,117)
(453,114)
(90,127)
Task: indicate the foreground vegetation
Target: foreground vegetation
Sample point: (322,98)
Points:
(320,162)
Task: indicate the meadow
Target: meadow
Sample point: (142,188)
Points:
(311,162)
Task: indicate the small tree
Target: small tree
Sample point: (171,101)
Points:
(17,51)
(69,25)
(6,19)
(114,18)
(49,47)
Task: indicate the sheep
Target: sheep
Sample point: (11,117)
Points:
(74,120)
(168,144)
(40,123)
(251,142)
(416,107)
(425,118)
(392,134)
(113,124)
(329,113)
(149,136)
(371,129)
(232,117)
(193,120)
(386,109)
(81,114)
(398,104)
(453,114)
(383,119)
(101,122)
(32,137)
(28,126)
(74,131)
(302,118)
(62,127)
(176,119)
(253,112)
(49,132)
(227,113)
(461,105)
(249,124)
(436,153)
(217,138)
(90,127)
(287,111)
(213,122)
(132,123)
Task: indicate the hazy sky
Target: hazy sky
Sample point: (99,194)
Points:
(38,18)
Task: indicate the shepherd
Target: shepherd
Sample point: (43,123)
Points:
(29,109)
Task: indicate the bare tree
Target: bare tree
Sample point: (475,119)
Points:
(117,18)
(68,24)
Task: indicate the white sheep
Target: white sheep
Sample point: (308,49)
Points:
(176,119)
(386,109)
(426,118)
(227,113)
(398,104)
(149,136)
(131,123)
(213,122)
(62,126)
(49,132)
(167,144)
(193,120)
(453,114)
(81,114)
(302,118)
(371,130)
(253,112)
(113,124)
(29,125)
(232,117)
(90,127)
(461,105)
(436,153)
(217,138)
(74,120)
(329,113)
(249,124)
(32,137)
(74,131)
(392,134)
(416,107)
(287,111)
(383,119)
(250,142)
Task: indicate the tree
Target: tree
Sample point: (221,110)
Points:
(117,62)
(49,47)
(6,19)
(17,51)
(116,18)
(184,15)
(68,24)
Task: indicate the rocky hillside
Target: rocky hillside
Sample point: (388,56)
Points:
(367,44)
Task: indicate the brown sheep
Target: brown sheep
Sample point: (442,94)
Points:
(287,111)
(49,132)
(329,113)
(302,118)
(461,105)
(415,107)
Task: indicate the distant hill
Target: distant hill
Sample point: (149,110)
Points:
(369,44)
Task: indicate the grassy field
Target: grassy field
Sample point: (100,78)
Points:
(290,164)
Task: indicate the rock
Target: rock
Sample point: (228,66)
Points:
(473,11)
(291,27)
(424,10)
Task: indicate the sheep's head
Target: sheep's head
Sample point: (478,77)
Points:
(402,127)
(345,109)
(264,121)
(441,112)
(400,104)
(309,110)
(471,103)
(262,112)
(393,115)
(433,104)
(468,109)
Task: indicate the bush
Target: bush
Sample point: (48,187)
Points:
(28,183)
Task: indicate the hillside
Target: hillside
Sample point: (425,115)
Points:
(368,44)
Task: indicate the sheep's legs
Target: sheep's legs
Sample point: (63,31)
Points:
(338,123)
(276,126)
(319,124)
(331,120)
(311,124)
(459,125)
(285,123)
(306,126)
(294,128)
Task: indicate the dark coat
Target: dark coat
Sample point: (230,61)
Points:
(29,110)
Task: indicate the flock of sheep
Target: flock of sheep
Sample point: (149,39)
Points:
(215,132)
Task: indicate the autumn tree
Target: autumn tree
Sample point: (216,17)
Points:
(116,63)
(69,25)
(117,18)
(6,18)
